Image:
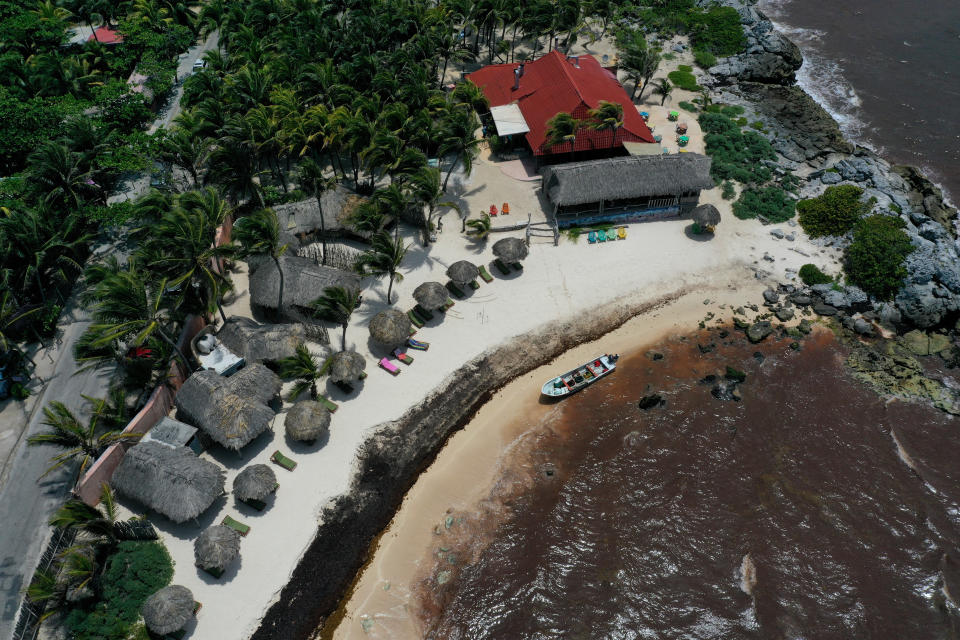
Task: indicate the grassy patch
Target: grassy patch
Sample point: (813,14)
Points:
(687,106)
(736,155)
(772,203)
(683,80)
(704,59)
(811,275)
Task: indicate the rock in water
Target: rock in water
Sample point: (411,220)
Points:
(939,343)
(758,331)
(651,401)
(735,374)
(748,575)
(863,327)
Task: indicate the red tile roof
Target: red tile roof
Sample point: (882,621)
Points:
(553,84)
(106,35)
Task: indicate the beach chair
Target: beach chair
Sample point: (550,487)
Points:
(592,237)
(454,289)
(503,268)
(213,571)
(517,266)
(601,236)
(325,401)
(473,284)
(449,303)
(622,233)
(425,314)
(236,525)
(493,211)
(416,344)
(343,385)
(259,505)
(505,209)
(389,367)
(405,358)
(283,461)
(414,318)
(485,274)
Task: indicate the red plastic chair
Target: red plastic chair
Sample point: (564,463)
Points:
(505,209)
(493,210)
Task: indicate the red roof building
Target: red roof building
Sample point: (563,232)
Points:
(556,83)
(106,35)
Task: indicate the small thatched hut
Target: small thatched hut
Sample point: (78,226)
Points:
(255,482)
(390,327)
(261,342)
(216,548)
(463,271)
(303,282)
(255,381)
(168,610)
(431,295)
(307,421)
(706,216)
(510,250)
(347,366)
(302,219)
(626,188)
(170,480)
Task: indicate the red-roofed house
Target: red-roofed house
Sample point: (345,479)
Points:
(552,84)
(106,35)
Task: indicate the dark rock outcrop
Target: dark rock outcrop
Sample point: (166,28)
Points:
(770,56)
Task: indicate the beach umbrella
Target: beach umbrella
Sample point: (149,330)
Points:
(307,421)
(391,327)
(168,610)
(463,272)
(510,250)
(216,548)
(347,366)
(255,482)
(706,216)
(431,295)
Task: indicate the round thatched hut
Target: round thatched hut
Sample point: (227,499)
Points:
(347,366)
(255,482)
(216,548)
(431,295)
(168,610)
(390,327)
(463,272)
(510,250)
(706,216)
(307,421)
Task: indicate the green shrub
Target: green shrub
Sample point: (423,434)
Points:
(741,122)
(686,106)
(717,30)
(683,80)
(790,182)
(727,191)
(770,202)
(833,213)
(736,155)
(134,572)
(704,59)
(731,110)
(874,260)
(669,56)
(685,68)
(757,125)
(811,275)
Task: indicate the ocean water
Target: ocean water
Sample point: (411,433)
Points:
(810,509)
(888,71)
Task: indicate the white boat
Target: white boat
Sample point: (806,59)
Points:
(584,375)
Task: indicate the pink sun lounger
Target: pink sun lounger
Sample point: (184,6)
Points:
(389,366)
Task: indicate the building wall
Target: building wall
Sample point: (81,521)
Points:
(619,217)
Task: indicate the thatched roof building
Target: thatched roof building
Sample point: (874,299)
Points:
(431,295)
(261,342)
(706,216)
(216,548)
(168,610)
(303,282)
(307,420)
(390,327)
(626,188)
(255,482)
(254,381)
(171,481)
(346,366)
(302,219)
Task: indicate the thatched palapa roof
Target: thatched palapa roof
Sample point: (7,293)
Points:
(168,610)
(303,281)
(626,177)
(431,295)
(255,482)
(261,342)
(302,219)
(255,381)
(706,215)
(307,421)
(390,327)
(171,481)
(216,547)
(463,271)
(347,366)
(510,249)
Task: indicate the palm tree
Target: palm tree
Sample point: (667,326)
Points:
(259,235)
(480,228)
(316,184)
(561,129)
(11,315)
(59,175)
(83,444)
(187,151)
(305,367)
(662,88)
(336,305)
(97,523)
(459,138)
(383,259)
(607,115)
(425,188)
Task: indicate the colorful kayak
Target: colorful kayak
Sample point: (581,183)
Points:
(582,376)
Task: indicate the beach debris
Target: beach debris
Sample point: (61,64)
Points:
(758,331)
(654,355)
(768,257)
(444,576)
(366,623)
(650,401)
(707,301)
(748,575)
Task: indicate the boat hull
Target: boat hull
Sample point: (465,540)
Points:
(579,378)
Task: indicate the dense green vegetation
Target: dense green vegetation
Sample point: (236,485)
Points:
(833,213)
(874,260)
(683,79)
(704,59)
(811,274)
(737,155)
(770,203)
(712,28)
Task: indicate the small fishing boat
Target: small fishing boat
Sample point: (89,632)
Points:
(585,374)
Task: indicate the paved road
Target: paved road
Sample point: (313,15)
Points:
(25,504)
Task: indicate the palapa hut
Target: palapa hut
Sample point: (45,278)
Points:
(307,421)
(346,366)
(431,295)
(463,272)
(510,250)
(216,548)
(174,433)
(303,282)
(261,342)
(168,610)
(231,411)
(170,480)
(302,219)
(706,216)
(390,327)
(254,483)
(626,189)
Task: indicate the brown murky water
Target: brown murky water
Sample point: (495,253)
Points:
(789,514)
